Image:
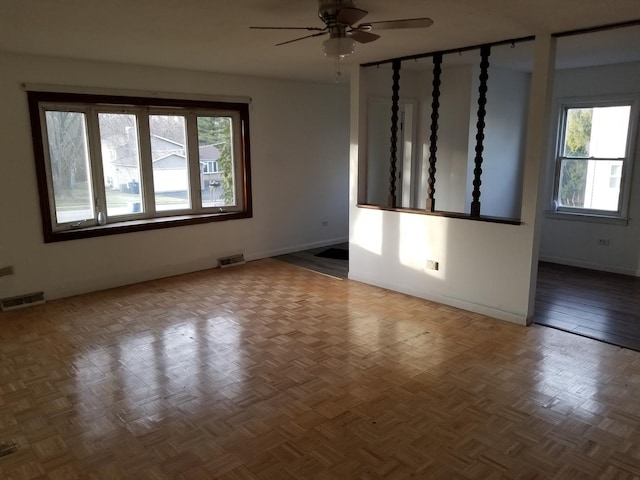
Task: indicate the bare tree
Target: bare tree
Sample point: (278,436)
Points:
(66,132)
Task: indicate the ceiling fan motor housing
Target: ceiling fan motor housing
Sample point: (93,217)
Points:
(328,9)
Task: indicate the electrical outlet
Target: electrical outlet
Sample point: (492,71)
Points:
(325,223)
(6,271)
(433,265)
(603,242)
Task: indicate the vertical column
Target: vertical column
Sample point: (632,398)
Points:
(395,99)
(482,102)
(433,139)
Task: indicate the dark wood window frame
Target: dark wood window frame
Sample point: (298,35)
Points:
(166,220)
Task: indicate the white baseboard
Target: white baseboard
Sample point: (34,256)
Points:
(590,265)
(452,302)
(293,248)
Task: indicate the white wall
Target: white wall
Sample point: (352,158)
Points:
(484,267)
(378,144)
(299,144)
(453,139)
(503,154)
(575,242)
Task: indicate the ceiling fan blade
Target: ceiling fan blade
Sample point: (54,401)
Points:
(310,29)
(350,15)
(391,24)
(302,38)
(363,36)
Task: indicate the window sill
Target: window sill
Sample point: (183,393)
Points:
(140,225)
(589,218)
(439,213)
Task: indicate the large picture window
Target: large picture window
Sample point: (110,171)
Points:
(594,157)
(111,164)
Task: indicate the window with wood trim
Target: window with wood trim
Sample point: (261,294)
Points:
(594,156)
(112,164)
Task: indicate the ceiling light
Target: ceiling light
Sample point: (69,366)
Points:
(338,47)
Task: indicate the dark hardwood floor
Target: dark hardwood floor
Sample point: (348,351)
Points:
(309,259)
(600,305)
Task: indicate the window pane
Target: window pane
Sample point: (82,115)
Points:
(615,174)
(70,169)
(599,132)
(120,163)
(170,164)
(215,147)
(587,184)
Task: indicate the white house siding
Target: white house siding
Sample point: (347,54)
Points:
(170,180)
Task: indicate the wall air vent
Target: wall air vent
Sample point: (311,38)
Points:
(231,261)
(21,301)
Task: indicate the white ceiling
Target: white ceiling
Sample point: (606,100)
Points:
(213,35)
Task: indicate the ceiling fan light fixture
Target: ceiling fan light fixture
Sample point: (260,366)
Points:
(338,47)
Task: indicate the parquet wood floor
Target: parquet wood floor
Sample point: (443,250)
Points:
(270,371)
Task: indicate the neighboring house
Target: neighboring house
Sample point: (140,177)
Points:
(122,170)
(170,172)
(209,167)
(603,176)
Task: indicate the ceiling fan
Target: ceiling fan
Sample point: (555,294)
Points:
(340,18)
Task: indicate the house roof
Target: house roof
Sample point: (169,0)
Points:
(209,152)
(125,158)
(188,34)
